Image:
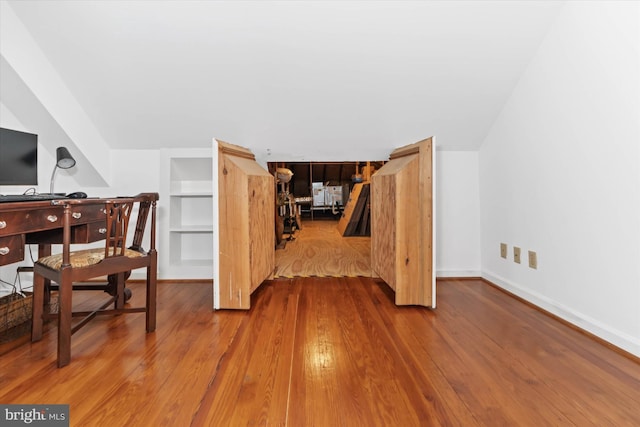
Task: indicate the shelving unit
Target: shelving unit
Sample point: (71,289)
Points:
(188,218)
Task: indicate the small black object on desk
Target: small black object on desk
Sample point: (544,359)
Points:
(77,195)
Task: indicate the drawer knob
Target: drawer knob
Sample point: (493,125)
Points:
(4,250)
(77,215)
(52,218)
(102,230)
(3,224)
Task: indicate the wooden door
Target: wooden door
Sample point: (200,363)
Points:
(402,224)
(244,244)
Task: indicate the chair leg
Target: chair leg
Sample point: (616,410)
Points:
(47,291)
(112,286)
(120,298)
(37,307)
(152,273)
(64,319)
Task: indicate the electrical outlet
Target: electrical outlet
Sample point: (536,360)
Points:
(516,254)
(533,259)
(503,250)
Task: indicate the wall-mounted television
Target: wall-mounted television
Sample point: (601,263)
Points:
(18,158)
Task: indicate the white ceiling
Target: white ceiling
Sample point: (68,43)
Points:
(153,74)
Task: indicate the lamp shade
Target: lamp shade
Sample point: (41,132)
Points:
(64,159)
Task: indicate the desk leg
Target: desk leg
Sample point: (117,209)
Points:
(37,308)
(64,317)
(45,250)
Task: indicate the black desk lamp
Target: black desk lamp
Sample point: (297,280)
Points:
(64,161)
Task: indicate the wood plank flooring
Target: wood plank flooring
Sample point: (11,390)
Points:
(329,352)
(319,250)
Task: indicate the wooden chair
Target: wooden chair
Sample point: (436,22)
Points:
(113,260)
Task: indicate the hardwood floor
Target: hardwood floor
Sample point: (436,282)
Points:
(320,250)
(329,352)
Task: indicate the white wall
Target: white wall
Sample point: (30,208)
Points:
(457,214)
(559,174)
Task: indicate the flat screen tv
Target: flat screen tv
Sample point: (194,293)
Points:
(18,158)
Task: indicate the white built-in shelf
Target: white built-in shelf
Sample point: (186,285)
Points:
(191,263)
(204,228)
(188,194)
(201,194)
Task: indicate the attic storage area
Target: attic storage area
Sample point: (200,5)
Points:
(254,206)
(322,218)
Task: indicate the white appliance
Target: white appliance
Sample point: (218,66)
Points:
(326,196)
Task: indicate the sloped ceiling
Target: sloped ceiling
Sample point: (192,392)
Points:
(271,75)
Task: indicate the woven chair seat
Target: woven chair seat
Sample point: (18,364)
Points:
(83,258)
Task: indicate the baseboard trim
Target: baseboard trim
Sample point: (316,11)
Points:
(458,278)
(458,274)
(618,341)
(176,281)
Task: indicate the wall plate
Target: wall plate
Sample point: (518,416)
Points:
(533,259)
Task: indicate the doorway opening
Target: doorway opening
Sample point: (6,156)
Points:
(401,218)
(322,218)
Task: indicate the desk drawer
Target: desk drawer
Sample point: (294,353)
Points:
(87,233)
(21,221)
(11,249)
(80,233)
(87,214)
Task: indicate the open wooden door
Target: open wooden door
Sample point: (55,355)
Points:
(402,224)
(244,244)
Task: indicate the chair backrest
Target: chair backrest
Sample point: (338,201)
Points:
(117,215)
(118,212)
(148,201)
(117,224)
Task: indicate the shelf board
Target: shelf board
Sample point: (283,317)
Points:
(193,263)
(193,194)
(201,228)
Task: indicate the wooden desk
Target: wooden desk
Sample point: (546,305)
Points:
(40,223)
